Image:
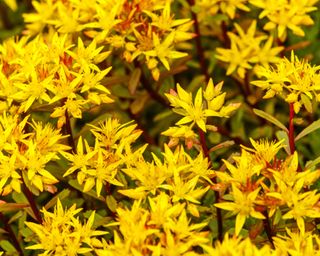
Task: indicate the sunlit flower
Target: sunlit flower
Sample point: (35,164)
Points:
(61,229)
(295,80)
(243,206)
(197,111)
(286,14)
(246,51)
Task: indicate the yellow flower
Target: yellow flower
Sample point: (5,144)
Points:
(12,4)
(162,50)
(264,150)
(165,21)
(61,229)
(148,177)
(86,58)
(286,14)
(145,232)
(243,172)
(243,206)
(197,112)
(239,246)
(212,7)
(297,243)
(34,166)
(134,228)
(289,190)
(246,49)
(47,138)
(9,176)
(181,132)
(25,156)
(100,165)
(162,210)
(295,80)
(185,189)
(79,159)
(44,12)
(33,90)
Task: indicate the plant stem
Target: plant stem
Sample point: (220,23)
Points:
(291,129)
(214,180)
(247,83)
(11,234)
(267,227)
(200,51)
(69,132)
(32,202)
(224,30)
(4,14)
(146,136)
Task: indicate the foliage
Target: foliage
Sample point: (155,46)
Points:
(165,127)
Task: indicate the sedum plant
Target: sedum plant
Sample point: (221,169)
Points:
(121,133)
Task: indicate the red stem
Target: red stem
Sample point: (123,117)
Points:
(214,180)
(32,202)
(291,129)
(267,227)
(204,69)
(69,132)
(11,234)
(200,51)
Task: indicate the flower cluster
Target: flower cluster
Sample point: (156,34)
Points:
(61,233)
(210,8)
(246,50)
(293,79)
(51,71)
(108,179)
(142,30)
(286,14)
(207,103)
(162,229)
(264,187)
(99,165)
(24,156)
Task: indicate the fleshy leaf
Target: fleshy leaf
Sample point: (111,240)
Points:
(312,127)
(270,118)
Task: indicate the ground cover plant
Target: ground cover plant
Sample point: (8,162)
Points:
(185,127)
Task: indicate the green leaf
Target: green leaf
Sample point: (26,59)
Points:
(63,194)
(28,184)
(138,104)
(162,115)
(312,127)
(7,246)
(270,118)
(8,207)
(283,135)
(306,102)
(86,128)
(134,80)
(313,163)
(111,203)
(76,185)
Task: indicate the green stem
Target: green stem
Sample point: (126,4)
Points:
(291,128)
(11,234)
